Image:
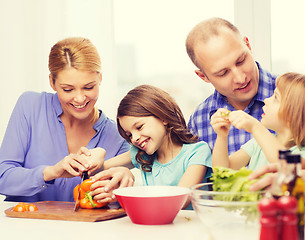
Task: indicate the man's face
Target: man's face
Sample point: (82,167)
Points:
(228,64)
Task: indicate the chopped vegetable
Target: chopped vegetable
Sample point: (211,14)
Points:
(25,207)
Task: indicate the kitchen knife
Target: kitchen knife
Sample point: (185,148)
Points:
(77,202)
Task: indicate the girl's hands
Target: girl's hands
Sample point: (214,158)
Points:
(220,122)
(108,180)
(242,120)
(222,119)
(95,158)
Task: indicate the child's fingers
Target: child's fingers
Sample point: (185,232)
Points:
(85,151)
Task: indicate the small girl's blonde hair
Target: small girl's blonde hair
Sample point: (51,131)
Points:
(292,108)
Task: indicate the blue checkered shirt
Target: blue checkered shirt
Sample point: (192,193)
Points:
(199,122)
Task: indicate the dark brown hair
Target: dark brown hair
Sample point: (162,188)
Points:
(147,100)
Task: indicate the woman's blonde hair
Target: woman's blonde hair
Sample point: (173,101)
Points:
(147,100)
(292,108)
(75,52)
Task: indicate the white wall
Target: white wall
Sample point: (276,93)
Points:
(253,19)
(288,36)
(29,28)
(154,34)
(150,46)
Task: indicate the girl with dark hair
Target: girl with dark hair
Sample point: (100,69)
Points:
(162,147)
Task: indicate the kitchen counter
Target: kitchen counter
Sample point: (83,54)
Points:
(186,226)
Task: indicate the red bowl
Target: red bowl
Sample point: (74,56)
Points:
(152,205)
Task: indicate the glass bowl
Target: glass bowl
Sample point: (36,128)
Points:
(227,215)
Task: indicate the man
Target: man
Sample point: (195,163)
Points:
(224,59)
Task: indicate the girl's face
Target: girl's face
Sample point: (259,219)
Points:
(146,133)
(77,91)
(270,116)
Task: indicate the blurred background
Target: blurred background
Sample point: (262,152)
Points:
(139,41)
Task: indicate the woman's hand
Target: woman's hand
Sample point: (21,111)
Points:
(73,165)
(220,122)
(108,180)
(264,181)
(70,166)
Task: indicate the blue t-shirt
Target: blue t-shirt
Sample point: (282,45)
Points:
(170,173)
(257,156)
(35,138)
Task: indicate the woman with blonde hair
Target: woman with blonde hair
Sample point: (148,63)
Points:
(52,138)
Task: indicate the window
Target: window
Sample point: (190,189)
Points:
(287,36)
(150,46)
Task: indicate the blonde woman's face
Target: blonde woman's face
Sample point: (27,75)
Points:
(77,91)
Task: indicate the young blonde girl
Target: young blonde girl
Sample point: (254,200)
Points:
(284,113)
(162,147)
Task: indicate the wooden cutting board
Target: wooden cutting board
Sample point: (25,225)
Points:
(65,211)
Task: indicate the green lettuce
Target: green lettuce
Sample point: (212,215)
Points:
(236,182)
(229,180)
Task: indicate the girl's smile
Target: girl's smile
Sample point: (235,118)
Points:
(143,144)
(147,133)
